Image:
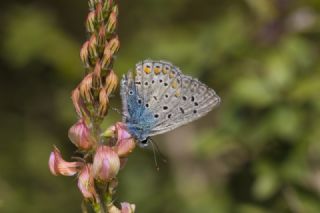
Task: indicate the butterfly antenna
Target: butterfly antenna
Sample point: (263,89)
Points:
(162,157)
(154,154)
(116,110)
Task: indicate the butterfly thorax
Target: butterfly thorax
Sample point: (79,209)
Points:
(139,131)
(139,120)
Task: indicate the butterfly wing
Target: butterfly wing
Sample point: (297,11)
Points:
(195,101)
(169,97)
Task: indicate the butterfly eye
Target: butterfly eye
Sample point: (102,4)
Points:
(130,92)
(144,143)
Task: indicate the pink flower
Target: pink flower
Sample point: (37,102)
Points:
(86,182)
(127,208)
(80,135)
(125,147)
(122,131)
(125,142)
(58,166)
(106,163)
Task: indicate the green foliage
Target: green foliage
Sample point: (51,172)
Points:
(257,153)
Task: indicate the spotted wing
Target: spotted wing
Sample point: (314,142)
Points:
(195,101)
(173,99)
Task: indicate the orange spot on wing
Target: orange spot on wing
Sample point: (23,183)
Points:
(174,84)
(178,93)
(147,70)
(157,70)
(165,70)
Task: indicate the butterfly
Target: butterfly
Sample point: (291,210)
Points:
(157,97)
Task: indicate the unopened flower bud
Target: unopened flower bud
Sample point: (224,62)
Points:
(91,4)
(84,54)
(106,58)
(107,5)
(90,21)
(93,47)
(106,163)
(97,74)
(112,22)
(103,103)
(113,45)
(86,182)
(111,82)
(115,9)
(85,88)
(99,12)
(102,35)
(80,135)
(75,97)
(58,166)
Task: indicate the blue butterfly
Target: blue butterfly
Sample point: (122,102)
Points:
(157,98)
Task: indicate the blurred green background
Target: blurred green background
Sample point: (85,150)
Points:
(259,152)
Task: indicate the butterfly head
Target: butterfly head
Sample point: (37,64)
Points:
(144,143)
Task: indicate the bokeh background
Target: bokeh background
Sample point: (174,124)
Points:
(259,152)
